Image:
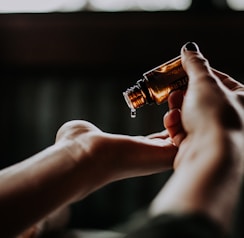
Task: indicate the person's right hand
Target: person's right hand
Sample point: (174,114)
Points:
(211,109)
(207,124)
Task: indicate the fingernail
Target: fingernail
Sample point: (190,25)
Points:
(191,46)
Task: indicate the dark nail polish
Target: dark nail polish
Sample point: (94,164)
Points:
(191,46)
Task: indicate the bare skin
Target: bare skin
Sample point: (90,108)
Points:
(203,143)
(207,124)
(82,160)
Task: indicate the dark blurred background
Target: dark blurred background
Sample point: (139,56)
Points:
(62,65)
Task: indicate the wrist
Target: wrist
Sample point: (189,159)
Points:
(89,169)
(73,150)
(206,172)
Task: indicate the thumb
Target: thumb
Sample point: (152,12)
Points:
(205,100)
(203,87)
(196,65)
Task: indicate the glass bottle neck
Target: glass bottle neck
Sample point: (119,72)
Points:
(138,95)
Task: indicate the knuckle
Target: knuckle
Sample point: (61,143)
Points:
(198,59)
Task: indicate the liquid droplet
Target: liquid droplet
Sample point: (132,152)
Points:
(133,113)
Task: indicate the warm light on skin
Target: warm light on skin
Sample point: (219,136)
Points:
(237,5)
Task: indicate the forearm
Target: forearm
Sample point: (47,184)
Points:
(32,189)
(202,182)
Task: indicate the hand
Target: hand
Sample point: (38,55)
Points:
(212,106)
(114,157)
(207,124)
(82,160)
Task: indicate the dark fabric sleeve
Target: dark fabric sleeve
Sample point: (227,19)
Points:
(182,226)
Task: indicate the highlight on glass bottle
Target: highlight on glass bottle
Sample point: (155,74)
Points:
(156,85)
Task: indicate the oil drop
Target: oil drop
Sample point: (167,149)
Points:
(133,113)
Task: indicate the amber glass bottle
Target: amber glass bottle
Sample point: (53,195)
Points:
(156,85)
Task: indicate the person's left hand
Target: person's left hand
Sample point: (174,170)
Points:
(114,156)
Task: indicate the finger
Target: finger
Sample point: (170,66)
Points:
(143,156)
(203,87)
(196,66)
(173,124)
(160,135)
(175,99)
(229,82)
